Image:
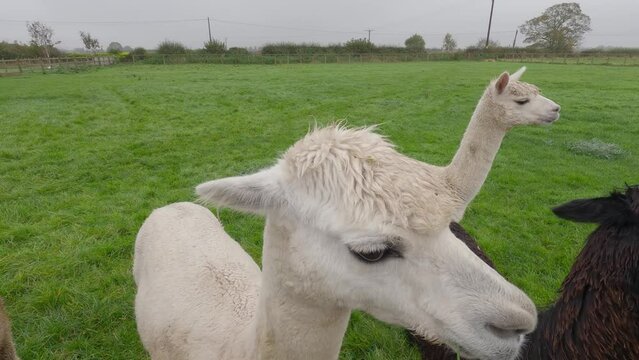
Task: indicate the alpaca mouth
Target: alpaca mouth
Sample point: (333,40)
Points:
(554,117)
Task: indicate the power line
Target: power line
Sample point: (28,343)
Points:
(283,27)
(108,21)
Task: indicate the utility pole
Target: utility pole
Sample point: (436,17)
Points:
(515,40)
(490,22)
(209,21)
(369,34)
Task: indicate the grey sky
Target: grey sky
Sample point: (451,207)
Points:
(614,22)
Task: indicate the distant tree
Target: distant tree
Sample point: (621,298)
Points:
(114,47)
(41,37)
(214,47)
(359,46)
(415,43)
(560,28)
(449,44)
(238,51)
(127,48)
(481,44)
(171,47)
(91,44)
(138,51)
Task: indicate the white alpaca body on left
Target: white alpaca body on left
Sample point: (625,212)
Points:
(198,296)
(197,288)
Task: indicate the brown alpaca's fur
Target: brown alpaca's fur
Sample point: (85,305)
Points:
(597,314)
(7,349)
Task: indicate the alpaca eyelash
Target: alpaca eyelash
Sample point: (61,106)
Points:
(522,102)
(372,253)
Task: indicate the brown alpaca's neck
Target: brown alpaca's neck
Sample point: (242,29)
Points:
(597,313)
(474,158)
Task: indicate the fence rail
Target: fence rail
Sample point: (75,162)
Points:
(18,66)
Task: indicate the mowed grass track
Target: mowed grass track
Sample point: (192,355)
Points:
(85,157)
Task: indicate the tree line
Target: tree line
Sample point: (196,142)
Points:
(560,28)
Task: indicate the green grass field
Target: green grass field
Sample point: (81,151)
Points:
(85,157)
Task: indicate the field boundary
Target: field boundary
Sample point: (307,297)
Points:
(74,63)
(19,66)
(328,58)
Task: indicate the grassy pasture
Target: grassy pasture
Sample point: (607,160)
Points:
(85,157)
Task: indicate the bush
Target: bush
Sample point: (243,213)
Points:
(138,51)
(237,51)
(16,50)
(359,46)
(214,47)
(168,47)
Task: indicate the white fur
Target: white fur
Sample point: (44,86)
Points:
(335,191)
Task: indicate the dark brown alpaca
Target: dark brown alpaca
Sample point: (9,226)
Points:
(597,313)
(7,349)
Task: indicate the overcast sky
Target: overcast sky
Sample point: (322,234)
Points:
(253,23)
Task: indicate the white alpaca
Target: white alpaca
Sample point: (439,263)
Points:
(350,224)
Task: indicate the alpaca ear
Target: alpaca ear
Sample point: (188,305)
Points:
(502,82)
(253,193)
(517,75)
(598,210)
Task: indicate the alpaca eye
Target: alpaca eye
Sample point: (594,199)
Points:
(522,102)
(373,256)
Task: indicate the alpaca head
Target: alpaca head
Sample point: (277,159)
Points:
(609,256)
(518,103)
(346,228)
(616,209)
(597,313)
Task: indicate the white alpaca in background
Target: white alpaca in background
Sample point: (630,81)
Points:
(350,224)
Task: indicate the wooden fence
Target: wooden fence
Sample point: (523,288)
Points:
(19,66)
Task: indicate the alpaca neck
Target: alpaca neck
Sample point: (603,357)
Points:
(596,309)
(290,325)
(474,158)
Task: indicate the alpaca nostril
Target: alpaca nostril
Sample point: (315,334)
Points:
(506,333)
(557,108)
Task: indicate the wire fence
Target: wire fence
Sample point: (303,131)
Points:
(72,63)
(275,59)
(19,66)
